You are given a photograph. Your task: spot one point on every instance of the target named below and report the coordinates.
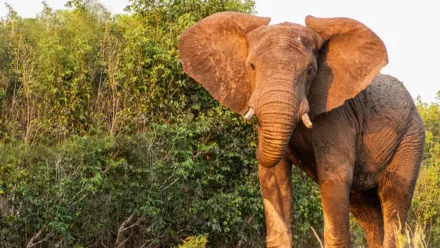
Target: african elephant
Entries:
(366, 144)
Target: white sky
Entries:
(410, 30)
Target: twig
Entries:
(102, 242)
(37, 235)
(169, 185)
(124, 226)
(135, 224)
(317, 237)
(41, 241)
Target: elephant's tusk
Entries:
(306, 120)
(249, 114)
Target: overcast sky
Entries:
(410, 30)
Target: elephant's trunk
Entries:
(278, 113)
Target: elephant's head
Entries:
(280, 72)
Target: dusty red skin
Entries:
(359, 134)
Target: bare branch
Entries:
(125, 226)
(33, 240)
(317, 237)
(135, 224)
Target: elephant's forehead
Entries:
(289, 33)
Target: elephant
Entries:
(321, 104)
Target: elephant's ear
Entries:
(214, 52)
(350, 56)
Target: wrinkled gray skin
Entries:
(366, 144)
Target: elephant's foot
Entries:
(340, 244)
(333, 239)
(281, 240)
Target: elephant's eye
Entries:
(252, 66)
(309, 71)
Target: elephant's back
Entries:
(387, 103)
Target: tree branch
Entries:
(125, 226)
(33, 240)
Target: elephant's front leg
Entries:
(334, 165)
(276, 187)
(335, 155)
(335, 204)
(335, 173)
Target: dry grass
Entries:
(406, 238)
(411, 238)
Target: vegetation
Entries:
(105, 142)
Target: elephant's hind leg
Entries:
(396, 185)
(365, 207)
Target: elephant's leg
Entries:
(335, 177)
(335, 158)
(366, 208)
(276, 187)
(396, 185)
(335, 200)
